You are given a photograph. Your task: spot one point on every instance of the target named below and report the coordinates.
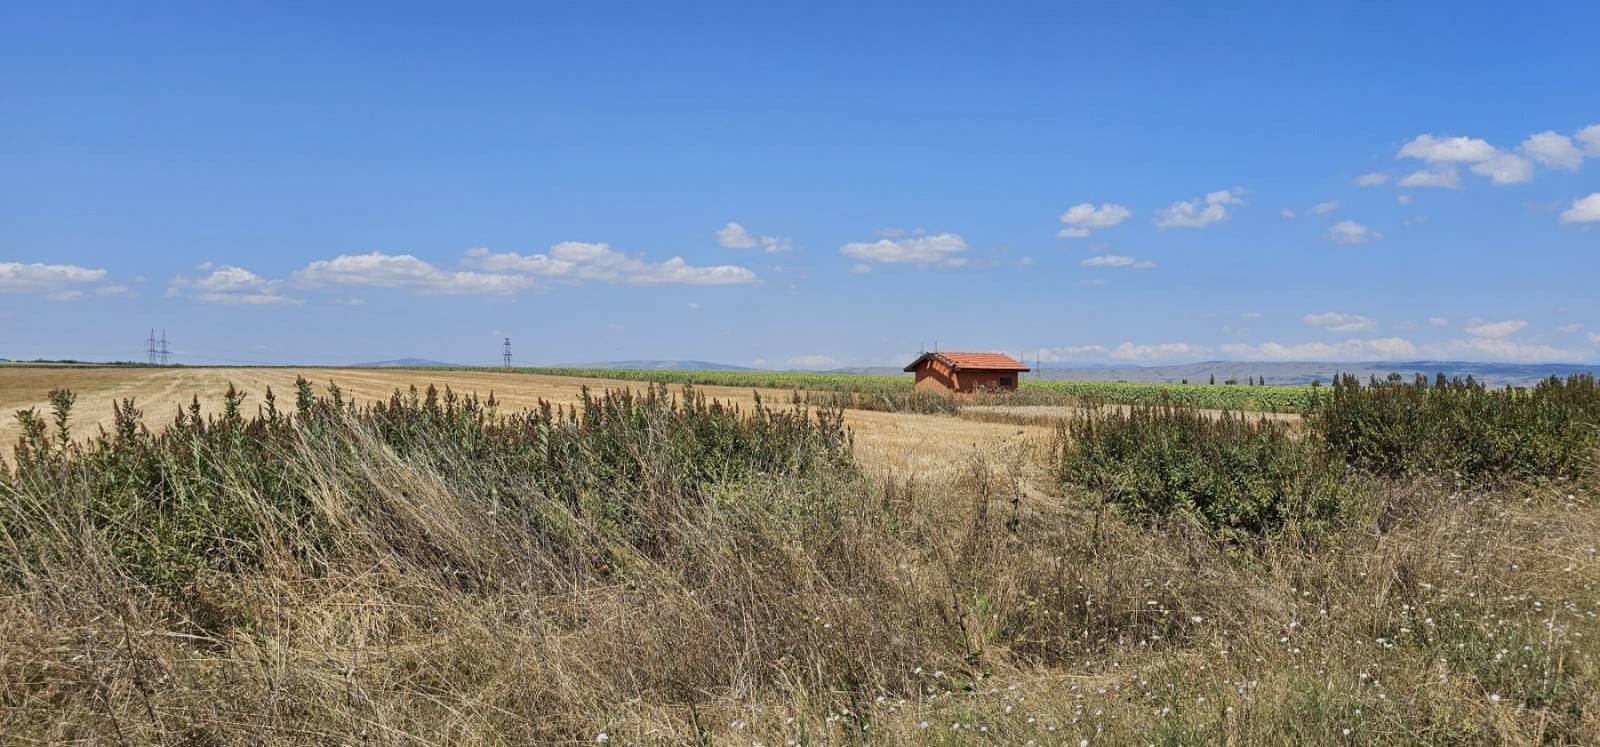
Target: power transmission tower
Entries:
(150, 347)
(505, 354)
(164, 351)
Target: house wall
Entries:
(933, 375)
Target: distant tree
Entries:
(1213, 379)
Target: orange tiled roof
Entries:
(973, 361)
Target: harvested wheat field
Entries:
(890, 442)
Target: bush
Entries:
(1462, 427)
(1235, 475)
(588, 484)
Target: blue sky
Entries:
(803, 186)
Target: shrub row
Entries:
(1241, 476)
(216, 491)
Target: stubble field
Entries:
(889, 443)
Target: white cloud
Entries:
(1082, 218)
(1438, 321)
(1496, 330)
(1447, 149)
(1351, 232)
(579, 261)
(380, 270)
(1569, 328)
(231, 286)
(1404, 199)
(1383, 348)
(1372, 179)
(692, 306)
(1115, 260)
(861, 268)
(1553, 150)
(1583, 210)
(1505, 168)
(1590, 138)
(1492, 348)
(1128, 351)
(1342, 323)
(1286, 213)
(37, 277)
(938, 249)
(734, 236)
(1324, 208)
(1211, 209)
(1073, 353)
(1250, 315)
(1444, 178)
(1594, 337)
(813, 361)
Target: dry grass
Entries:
(958, 598)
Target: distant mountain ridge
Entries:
(1295, 372)
(407, 363)
(661, 365)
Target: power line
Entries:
(150, 347)
(164, 351)
(505, 354)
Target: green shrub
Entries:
(222, 492)
(1233, 474)
(1462, 427)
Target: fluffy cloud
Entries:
(1495, 330)
(1208, 210)
(232, 286)
(1583, 210)
(1438, 321)
(1444, 154)
(1073, 353)
(813, 361)
(405, 271)
(1491, 348)
(1569, 328)
(1383, 348)
(1505, 168)
(1590, 138)
(1324, 208)
(1445, 178)
(1553, 150)
(1342, 323)
(1351, 232)
(1128, 351)
(734, 236)
(1447, 149)
(1115, 260)
(489, 273)
(1085, 217)
(1594, 337)
(1372, 179)
(938, 249)
(580, 261)
(16, 277)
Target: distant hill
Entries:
(1296, 372)
(662, 365)
(406, 363)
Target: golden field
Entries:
(890, 443)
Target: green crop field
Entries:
(1211, 396)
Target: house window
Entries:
(1005, 381)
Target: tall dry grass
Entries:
(406, 580)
